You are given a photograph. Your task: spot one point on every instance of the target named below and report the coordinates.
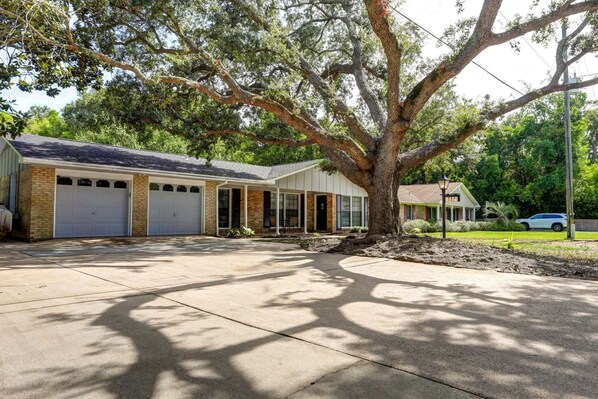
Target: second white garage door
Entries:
(175, 209)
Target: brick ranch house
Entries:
(60, 188)
(423, 201)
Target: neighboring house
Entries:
(424, 201)
(60, 188)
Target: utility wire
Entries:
(589, 74)
(528, 43)
(452, 48)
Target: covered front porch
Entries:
(274, 211)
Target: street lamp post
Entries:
(443, 183)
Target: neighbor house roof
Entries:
(428, 193)
(47, 149)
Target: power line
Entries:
(452, 48)
(589, 74)
(528, 43)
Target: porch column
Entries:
(473, 214)
(463, 216)
(245, 210)
(305, 211)
(277, 210)
(438, 214)
(452, 214)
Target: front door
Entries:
(321, 213)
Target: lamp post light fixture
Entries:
(443, 183)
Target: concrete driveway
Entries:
(213, 318)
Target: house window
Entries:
(194, 189)
(64, 181)
(409, 212)
(366, 211)
(167, 187)
(345, 211)
(432, 214)
(84, 183)
(120, 184)
(350, 211)
(154, 187)
(289, 210)
(356, 211)
(103, 183)
(224, 208)
(181, 189)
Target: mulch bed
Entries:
(455, 253)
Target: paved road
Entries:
(200, 317)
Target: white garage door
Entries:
(91, 207)
(175, 209)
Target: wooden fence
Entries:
(586, 224)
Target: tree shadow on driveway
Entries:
(486, 333)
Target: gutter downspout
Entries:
(217, 187)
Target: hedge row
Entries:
(421, 226)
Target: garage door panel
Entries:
(174, 212)
(90, 211)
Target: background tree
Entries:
(341, 74)
(523, 159)
(593, 135)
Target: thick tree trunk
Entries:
(384, 208)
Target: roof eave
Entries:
(153, 172)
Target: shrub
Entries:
(247, 232)
(495, 226)
(358, 229)
(242, 232)
(464, 225)
(233, 233)
(421, 225)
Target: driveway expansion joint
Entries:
(324, 376)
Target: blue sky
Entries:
(518, 69)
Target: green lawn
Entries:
(536, 242)
(519, 235)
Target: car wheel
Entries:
(525, 226)
(557, 227)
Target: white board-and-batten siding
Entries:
(314, 180)
(9, 161)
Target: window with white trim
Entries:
(289, 210)
(224, 208)
(356, 211)
(350, 211)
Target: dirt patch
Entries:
(457, 253)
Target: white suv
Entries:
(555, 221)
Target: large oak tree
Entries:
(345, 75)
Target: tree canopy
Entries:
(345, 75)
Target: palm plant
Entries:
(502, 211)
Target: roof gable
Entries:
(429, 193)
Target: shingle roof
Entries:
(423, 193)
(61, 150)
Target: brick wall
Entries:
(36, 203)
(310, 212)
(255, 211)
(140, 192)
(331, 211)
(210, 208)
